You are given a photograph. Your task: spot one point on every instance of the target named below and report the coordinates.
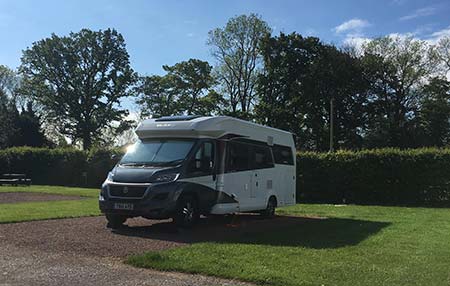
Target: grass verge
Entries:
(28, 211)
(356, 245)
(58, 190)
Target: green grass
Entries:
(27, 211)
(59, 190)
(356, 245)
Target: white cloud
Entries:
(423, 29)
(356, 42)
(436, 36)
(190, 35)
(398, 2)
(352, 26)
(310, 32)
(422, 12)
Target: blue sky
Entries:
(166, 32)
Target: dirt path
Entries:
(18, 197)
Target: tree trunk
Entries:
(87, 141)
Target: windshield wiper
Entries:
(169, 163)
(136, 164)
(152, 164)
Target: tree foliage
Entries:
(396, 69)
(301, 76)
(236, 48)
(434, 114)
(185, 89)
(79, 80)
(19, 125)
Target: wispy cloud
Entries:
(354, 26)
(438, 35)
(356, 42)
(423, 29)
(422, 12)
(353, 32)
(398, 2)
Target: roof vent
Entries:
(177, 118)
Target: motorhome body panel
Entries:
(223, 189)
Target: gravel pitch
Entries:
(30, 267)
(82, 251)
(17, 197)
(89, 235)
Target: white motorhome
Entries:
(185, 166)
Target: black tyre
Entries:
(269, 212)
(187, 212)
(115, 221)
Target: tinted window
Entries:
(157, 152)
(283, 155)
(238, 157)
(262, 157)
(202, 162)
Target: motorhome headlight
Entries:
(163, 178)
(110, 177)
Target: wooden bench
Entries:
(14, 180)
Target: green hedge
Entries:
(382, 177)
(70, 167)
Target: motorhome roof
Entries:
(210, 127)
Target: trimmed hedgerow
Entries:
(61, 166)
(382, 177)
(44, 165)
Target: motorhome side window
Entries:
(283, 155)
(202, 162)
(262, 157)
(238, 157)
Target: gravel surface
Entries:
(17, 197)
(27, 267)
(82, 251)
(90, 236)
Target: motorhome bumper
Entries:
(157, 203)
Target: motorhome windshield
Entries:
(157, 152)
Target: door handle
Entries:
(256, 183)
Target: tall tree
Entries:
(396, 68)
(8, 110)
(236, 48)
(28, 129)
(434, 113)
(19, 125)
(79, 80)
(185, 89)
(191, 79)
(442, 51)
(157, 96)
(301, 77)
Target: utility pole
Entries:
(332, 124)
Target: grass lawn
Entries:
(16, 212)
(60, 190)
(356, 245)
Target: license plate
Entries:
(123, 206)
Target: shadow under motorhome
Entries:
(185, 166)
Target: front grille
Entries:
(127, 191)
